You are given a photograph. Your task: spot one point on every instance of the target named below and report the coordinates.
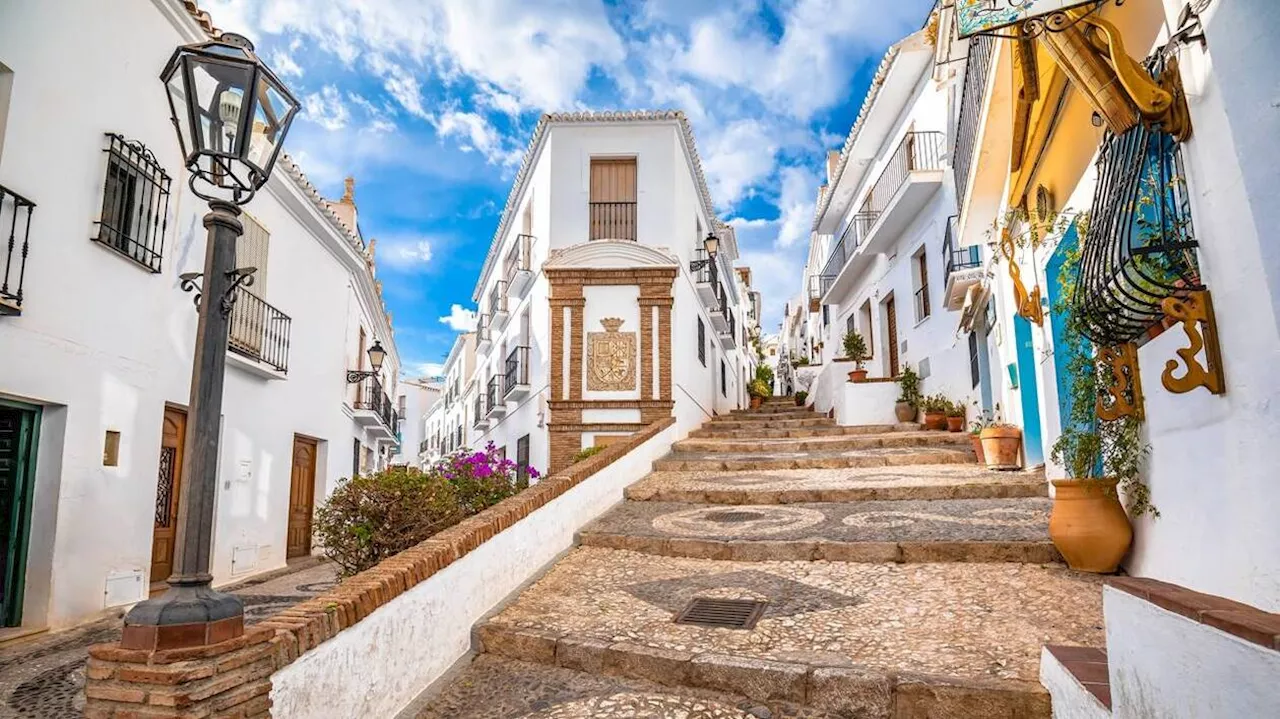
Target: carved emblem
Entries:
(1195, 313)
(1120, 392)
(611, 358)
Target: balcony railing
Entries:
(816, 291)
(858, 227)
(479, 411)
(259, 331)
(517, 371)
(15, 231)
(423, 446)
(517, 266)
(976, 70)
(611, 220)
(370, 396)
(482, 330)
(958, 259)
(498, 301)
(495, 400)
(918, 151)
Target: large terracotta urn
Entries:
(1088, 524)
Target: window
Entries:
(921, 280)
(522, 461)
(868, 327)
(135, 203)
(612, 203)
(250, 322)
(702, 342)
(849, 325)
(723, 380)
(975, 373)
(355, 458)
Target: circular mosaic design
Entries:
(641, 706)
(759, 521)
(995, 517)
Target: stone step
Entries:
(824, 444)
(811, 420)
(822, 430)
(771, 408)
(853, 639)
(789, 486)
(762, 415)
(876, 457)
(949, 530)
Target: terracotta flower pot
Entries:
(935, 420)
(756, 402)
(905, 412)
(1001, 447)
(955, 424)
(1088, 524)
(977, 448)
(858, 375)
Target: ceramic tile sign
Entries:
(975, 16)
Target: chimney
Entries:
(345, 208)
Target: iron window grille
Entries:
(702, 342)
(15, 230)
(135, 203)
(259, 331)
(723, 380)
(522, 462)
(975, 370)
(961, 259)
(1140, 246)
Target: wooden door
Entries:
(891, 310)
(173, 437)
(302, 497)
(19, 431)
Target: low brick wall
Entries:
(234, 679)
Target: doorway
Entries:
(891, 322)
(173, 439)
(1032, 444)
(302, 497)
(19, 437)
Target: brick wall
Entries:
(233, 679)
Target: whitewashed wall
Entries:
(105, 344)
(381, 664)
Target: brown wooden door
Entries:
(173, 437)
(891, 309)
(302, 496)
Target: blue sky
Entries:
(430, 104)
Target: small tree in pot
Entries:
(955, 417)
(935, 411)
(908, 395)
(855, 350)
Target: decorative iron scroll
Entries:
(1028, 303)
(164, 487)
(1120, 391)
(1140, 247)
(1195, 313)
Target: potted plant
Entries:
(935, 411)
(855, 350)
(758, 391)
(908, 395)
(1001, 445)
(801, 396)
(955, 417)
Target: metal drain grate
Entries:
(734, 516)
(723, 613)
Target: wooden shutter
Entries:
(613, 199)
(892, 311)
(251, 251)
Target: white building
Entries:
(447, 423)
(417, 398)
(591, 322)
(882, 238)
(97, 334)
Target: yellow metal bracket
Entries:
(1028, 302)
(1121, 393)
(1195, 313)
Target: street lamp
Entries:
(711, 243)
(376, 356)
(231, 114)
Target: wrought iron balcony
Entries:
(517, 373)
(15, 231)
(496, 402)
(423, 446)
(707, 279)
(730, 333)
(720, 312)
(911, 175)
(845, 248)
(963, 267)
(259, 331)
(611, 220)
(479, 411)
(374, 408)
(976, 71)
(498, 314)
(816, 291)
(483, 333)
(518, 266)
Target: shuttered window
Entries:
(702, 342)
(251, 251)
(612, 205)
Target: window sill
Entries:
(253, 367)
(921, 321)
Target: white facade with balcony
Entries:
(97, 344)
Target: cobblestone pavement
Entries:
(42, 677)
(496, 688)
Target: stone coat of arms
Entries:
(611, 358)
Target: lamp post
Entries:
(376, 356)
(711, 243)
(232, 114)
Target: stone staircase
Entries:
(871, 572)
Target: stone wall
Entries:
(234, 678)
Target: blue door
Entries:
(1062, 350)
(1031, 436)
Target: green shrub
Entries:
(586, 453)
(801, 397)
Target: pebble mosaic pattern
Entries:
(43, 677)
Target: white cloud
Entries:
(474, 132)
(400, 84)
(796, 204)
(736, 158)
(326, 108)
(460, 319)
(425, 369)
(284, 65)
(404, 254)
